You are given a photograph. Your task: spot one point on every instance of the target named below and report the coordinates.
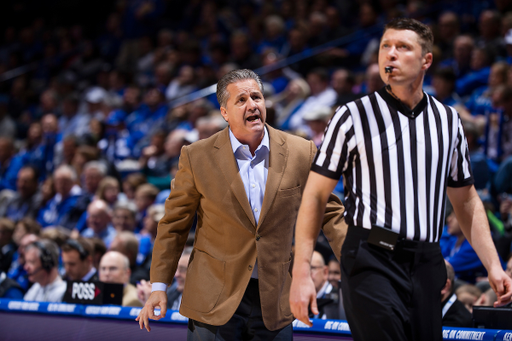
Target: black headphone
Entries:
(47, 262)
(75, 245)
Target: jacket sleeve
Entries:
(333, 226)
(174, 227)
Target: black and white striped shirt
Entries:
(396, 163)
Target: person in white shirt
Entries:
(41, 264)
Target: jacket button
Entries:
(250, 267)
(258, 237)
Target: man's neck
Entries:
(410, 94)
(50, 278)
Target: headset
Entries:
(47, 262)
(75, 245)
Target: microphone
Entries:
(36, 271)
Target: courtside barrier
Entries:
(324, 327)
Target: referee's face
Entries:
(245, 111)
(401, 50)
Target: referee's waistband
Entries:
(403, 243)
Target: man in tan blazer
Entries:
(246, 184)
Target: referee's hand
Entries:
(303, 294)
(156, 299)
(501, 283)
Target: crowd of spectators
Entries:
(92, 121)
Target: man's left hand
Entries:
(502, 286)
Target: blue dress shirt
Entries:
(253, 171)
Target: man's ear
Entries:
(224, 113)
(427, 60)
(447, 287)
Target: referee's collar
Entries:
(401, 107)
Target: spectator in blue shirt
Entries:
(458, 252)
(27, 200)
(57, 210)
(99, 216)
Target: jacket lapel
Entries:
(278, 156)
(229, 167)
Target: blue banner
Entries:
(334, 327)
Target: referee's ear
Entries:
(427, 60)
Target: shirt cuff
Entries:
(158, 286)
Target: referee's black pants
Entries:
(392, 295)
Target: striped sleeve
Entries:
(331, 159)
(460, 167)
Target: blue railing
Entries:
(332, 327)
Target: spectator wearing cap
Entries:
(41, 262)
(95, 97)
(115, 268)
(26, 202)
(78, 261)
(99, 222)
(58, 210)
(317, 120)
(321, 95)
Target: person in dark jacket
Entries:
(455, 313)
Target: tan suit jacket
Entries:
(227, 239)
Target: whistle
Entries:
(388, 69)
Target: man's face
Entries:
(334, 273)
(319, 271)
(63, 183)
(33, 265)
(245, 110)
(401, 50)
(123, 220)
(112, 270)
(181, 272)
(92, 178)
(76, 268)
(97, 219)
(26, 183)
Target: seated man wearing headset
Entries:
(41, 262)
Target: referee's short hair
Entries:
(233, 77)
(423, 31)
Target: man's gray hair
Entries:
(233, 77)
(98, 165)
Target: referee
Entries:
(400, 152)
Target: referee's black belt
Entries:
(401, 243)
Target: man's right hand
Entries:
(156, 299)
(302, 295)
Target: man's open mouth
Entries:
(253, 118)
